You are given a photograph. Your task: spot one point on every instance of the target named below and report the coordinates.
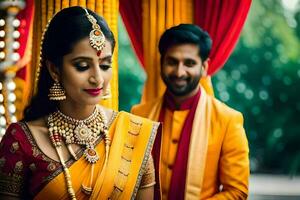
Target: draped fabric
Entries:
(155, 17)
(45, 9)
(222, 19)
(134, 23)
(132, 140)
(31, 174)
(22, 78)
(178, 177)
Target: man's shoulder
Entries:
(143, 109)
(222, 109)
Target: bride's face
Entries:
(86, 75)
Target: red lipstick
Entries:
(93, 92)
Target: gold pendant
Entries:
(91, 155)
(86, 190)
(83, 134)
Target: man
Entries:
(202, 152)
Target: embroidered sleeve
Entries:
(148, 178)
(12, 163)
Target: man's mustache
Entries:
(182, 78)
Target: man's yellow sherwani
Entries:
(218, 162)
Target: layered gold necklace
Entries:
(63, 128)
(82, 132)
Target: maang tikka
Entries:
(97, 38)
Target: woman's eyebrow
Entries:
(82, 58)
(106, 58)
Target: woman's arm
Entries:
(146, 190)
(145, 193)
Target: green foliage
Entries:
(131, 74)
(262, 80)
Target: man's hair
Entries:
(185, 34)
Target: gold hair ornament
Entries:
(97, 38)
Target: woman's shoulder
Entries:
(110, 115)
(108, 112)
(36, 128)
(22, 130)
(16, 143)
(21, 133)
(15, 131)
(37, 123)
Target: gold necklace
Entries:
(83, 132)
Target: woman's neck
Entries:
(76, 111)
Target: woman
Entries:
(68, 147)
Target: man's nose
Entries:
(180, 70)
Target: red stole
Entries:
(178, 179)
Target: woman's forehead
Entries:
(84, 48)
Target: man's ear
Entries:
(53, 71)
(205, 67)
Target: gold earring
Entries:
(107, 93)
(57, 92)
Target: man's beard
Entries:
(191, 85)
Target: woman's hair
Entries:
(185, 34)
(67, 27)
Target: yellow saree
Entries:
(132, 139)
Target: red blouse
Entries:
(20, 157)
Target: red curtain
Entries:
(224, 21)
(26, 19)
(131, 12)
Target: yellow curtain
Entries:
(159, 15)
(45, 9)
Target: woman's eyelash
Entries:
(85, 66)
(105, 67)
(80, 67)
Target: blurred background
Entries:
(262, 80)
